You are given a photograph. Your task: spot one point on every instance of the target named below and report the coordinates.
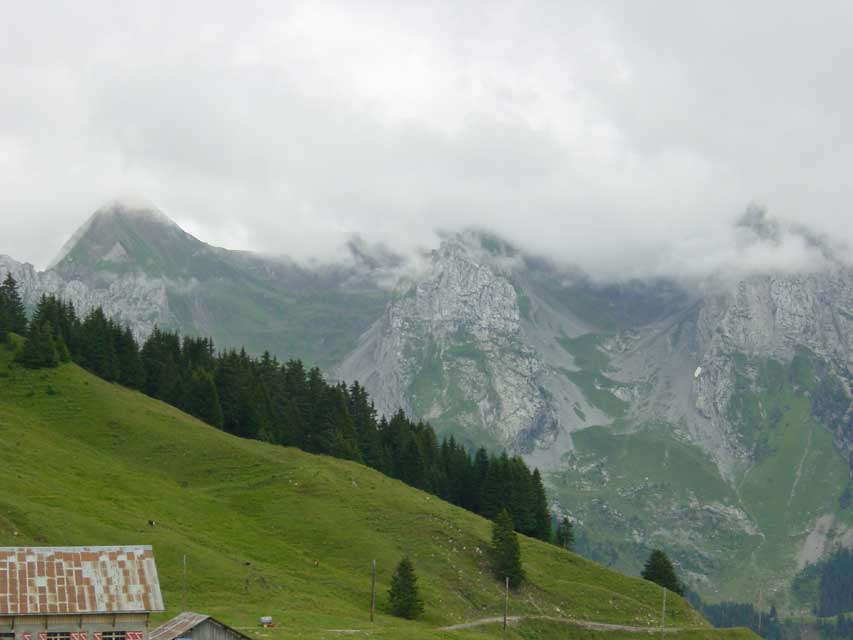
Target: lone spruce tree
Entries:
(565, 537)
(506, 552)
(403, 595)
(659, 570)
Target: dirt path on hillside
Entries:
(584, 624)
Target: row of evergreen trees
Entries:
(841, 628)
(835, 592)
(725, 615)
(283, 403)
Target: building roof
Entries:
(177, 626)
(184, 622)
(76, 580)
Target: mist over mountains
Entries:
(708, 415)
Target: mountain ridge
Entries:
(144, 270)
(746, 378)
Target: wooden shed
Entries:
(77, 593)
(196, 626)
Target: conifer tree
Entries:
(506, 552)
(495, 491)
(131, 371)
(565, 536)
(659, 569)
(39, 351)
(541, 515)
(203, 399)
(404, 596)
(13, 317)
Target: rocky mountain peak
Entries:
(127, 236)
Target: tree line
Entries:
(725, 615)
(291, 405)
(835, 589)
(282, 403)
(841, 628)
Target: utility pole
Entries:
(506, 602)
(373, 592)
(184, 589)
(663, 613)
(759, 610)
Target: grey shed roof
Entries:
(184, 622)
(78, 580)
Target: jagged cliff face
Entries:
(135, 299)
(451, 349)
(714, 422)
(770, 317)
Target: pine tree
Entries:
(506, 552)
(541, 515)
(39, 351)
(404, 597)
(495, 490)
(565, 537)
(13, 317)
(659, 570)
(412, 464)
(131, 371)
(203, 398)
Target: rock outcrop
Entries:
(450, 349)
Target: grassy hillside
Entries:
(272, 531)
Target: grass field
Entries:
(273, 531)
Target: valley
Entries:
(711, 418)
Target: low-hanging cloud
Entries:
(626, 139)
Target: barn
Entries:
(77, 593)
(196, 626)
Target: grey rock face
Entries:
(144, 271)
(453, 343)
(133, 299)
(768, 317)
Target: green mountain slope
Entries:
(126, 253)
(272, 531)
(752, 535)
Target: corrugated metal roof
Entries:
(71, 580)
(184, 622)
(177, 626)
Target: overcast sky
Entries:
(622, 136)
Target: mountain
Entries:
(711, 418)
(264, 530)
(713, 421)
(450, 349)
(145, 270)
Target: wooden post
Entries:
(759, 610)
(373, 592)
(663, 614)
(184, 590)
(506, 602)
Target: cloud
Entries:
(625, 139)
